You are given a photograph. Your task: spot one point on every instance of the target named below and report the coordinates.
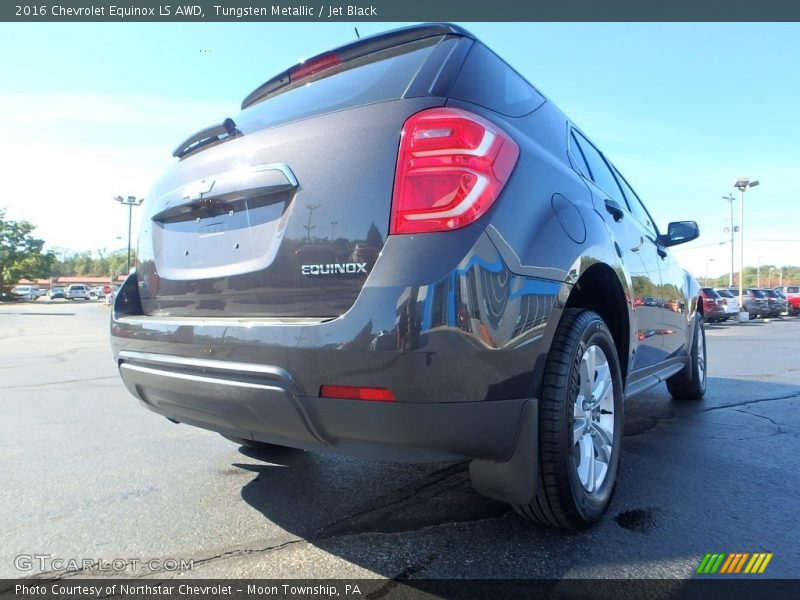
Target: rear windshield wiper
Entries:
(210, 135)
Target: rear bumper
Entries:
(262, 403)
(461, 370)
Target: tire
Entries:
(571, 493)
(690, 382)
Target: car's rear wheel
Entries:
(690, 382)
(580, 425)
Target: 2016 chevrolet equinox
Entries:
(401, 250)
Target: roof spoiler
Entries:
(358, 48)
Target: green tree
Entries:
(21, 254)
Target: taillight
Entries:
(348, 392)
(314, 66)
(451, 167)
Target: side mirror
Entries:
(680, 232)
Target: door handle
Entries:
(615, 210)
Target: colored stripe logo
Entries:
(734, 563)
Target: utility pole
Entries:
(309, 227)
(708, 262)
(758, 273)
(730, 198)
(742, 184)
(131, 201)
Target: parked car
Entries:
(729, 302)
(792, 295)
(96, 292)
(58, 292)
(713, 308)
(755, 302)
(777, 303)
(26, 293)
(504, 251)
(77, 290)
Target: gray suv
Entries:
(400, 249)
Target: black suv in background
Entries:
(400, 249)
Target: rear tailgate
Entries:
(287, 216)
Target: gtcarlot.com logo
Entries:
(48, 562)
(741, 563)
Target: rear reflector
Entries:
(357, 393)
(313, 66)
(452, 165)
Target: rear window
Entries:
(793, 289)
(771, 293)
(724, 293)
(710, 292)
(758, 293)
(376, 77)
(489, 82)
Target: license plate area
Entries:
(220, 238)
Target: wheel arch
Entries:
(600, 289)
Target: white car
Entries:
(78, 290)
(730, 302)
(26, 292)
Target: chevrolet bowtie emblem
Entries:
(196, 189)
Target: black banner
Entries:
(411, 589)
(398, 10)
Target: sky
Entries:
(92, 111)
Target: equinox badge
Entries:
(334, 268)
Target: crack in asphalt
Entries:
(778, 425)
(757, 401)
(416, 567)
(248, 551)
(48, 383)
(338, 529)
(59, 575)
(405, 493)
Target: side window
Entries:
(489, 82)
(637, 208)
(600, 171)
(577, 157)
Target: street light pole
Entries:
(742, 184)
(708, 262)
(131, 201)
(730, 198)
(758, 273)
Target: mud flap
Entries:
(513, 480)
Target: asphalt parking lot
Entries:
(88, 474)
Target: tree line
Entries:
(91, 264)
(22, 256)
(765, 276)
